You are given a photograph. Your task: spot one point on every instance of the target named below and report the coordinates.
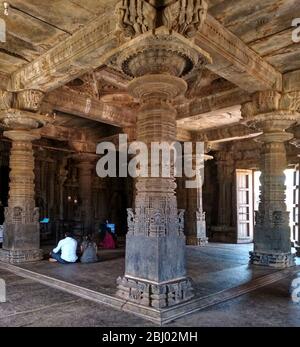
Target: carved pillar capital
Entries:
(271, 111)
(29, 100)
(138, 17)
(20, 110)
(6, 100)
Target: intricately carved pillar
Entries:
(155, 272)
(153, 275)
(195, 223)
(21, 227)
(272, 113)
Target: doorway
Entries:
(244, 198)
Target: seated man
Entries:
(65, 252)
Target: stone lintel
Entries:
(234, 60)
(68, 101)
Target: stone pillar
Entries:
(21, 227)
(195, 224)
(269, 112)
(157, 60)
(153, 275)
(61, 179)
(225, 230)
(86, 166)
(296, 142)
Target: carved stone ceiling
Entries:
(35, 26)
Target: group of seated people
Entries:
(66, 252)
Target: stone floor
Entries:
(213, 268)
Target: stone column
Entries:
(296, 142)
(270, 112)
(195, 224)
(225, 230)
(153, 274)
(155, 268)
(61, 179)
(86, 166)
(21, 227)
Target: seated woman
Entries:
(108, 241)
(65, 252)
(89, 251)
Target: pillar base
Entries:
(18, 256)
(158, 295)
(196, 241)
(277, 260)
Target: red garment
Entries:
(108, 241)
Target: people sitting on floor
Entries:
(88, 250)
(65, 252)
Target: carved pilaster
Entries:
(272, 113)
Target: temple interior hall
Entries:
(79, 76)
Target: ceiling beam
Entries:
(229, 133)
(214, 102)
(68, 101)
(72, 102)
(234, 60)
